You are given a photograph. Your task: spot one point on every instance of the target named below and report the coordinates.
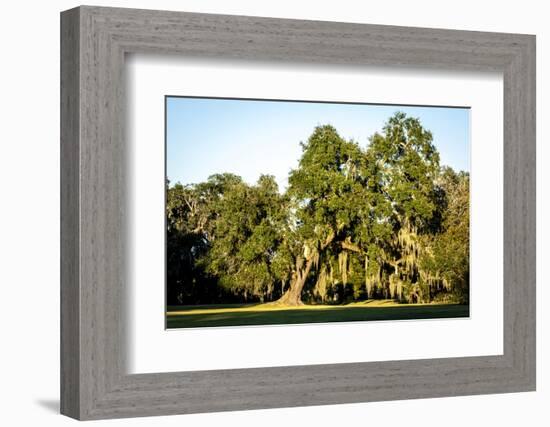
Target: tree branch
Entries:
(329, 239)
(351, 247)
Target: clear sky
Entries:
(250, 138)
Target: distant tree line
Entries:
(384, 222)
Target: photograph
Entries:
(290, 213)
(286, 212)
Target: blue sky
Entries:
(250, 138)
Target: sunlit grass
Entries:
(271, 314)
(239, 308)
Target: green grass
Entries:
(268, 314)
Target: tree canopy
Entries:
(384, 221)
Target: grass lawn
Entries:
(269, 314)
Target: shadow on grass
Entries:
(333, 314)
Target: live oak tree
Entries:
(321, 190)
(190, 214)
(406, 166)
(385, 221)
(445, 262)
(248, 232)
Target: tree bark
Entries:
(293, 295)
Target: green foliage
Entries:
(247, 229)
(382, 222)
(446, 259)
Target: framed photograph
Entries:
(261, 213)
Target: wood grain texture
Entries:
(95, 383)
(70, 314)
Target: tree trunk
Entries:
(293, 295)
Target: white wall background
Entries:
(29, 214)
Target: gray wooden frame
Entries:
(94, 41)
